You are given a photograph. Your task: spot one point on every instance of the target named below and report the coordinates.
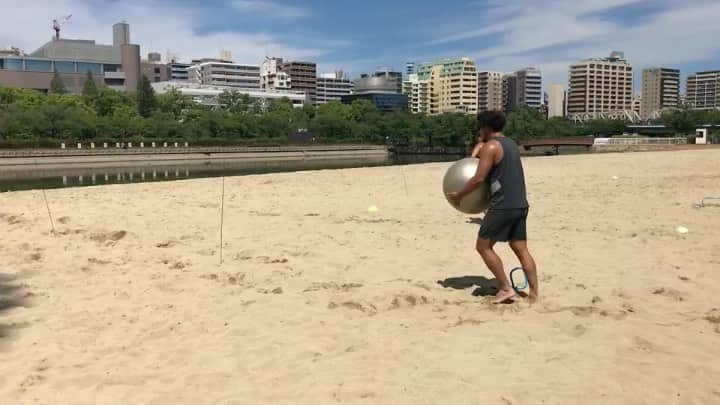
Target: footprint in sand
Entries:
(368, 309)
(713, 316)
(98, 261)
(670, 293)
(166, 244)
(644, 345)
(345, 287)
(108, 236)
(11, 219)
(408, 301)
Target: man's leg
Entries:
(528, 264)
(494, 263)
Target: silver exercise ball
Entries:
(455, 179)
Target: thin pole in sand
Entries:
(52, 223)
(222, 218)
(404, 180)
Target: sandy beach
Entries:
(319, 301)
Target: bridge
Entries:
(629, 116)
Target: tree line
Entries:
(100, 114)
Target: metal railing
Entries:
(640, 141)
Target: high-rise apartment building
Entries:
(660, 90)
(332, 87)
(600, 85)
(303, 77)
(703, 90)
(418, 94)
(556, 100)
(121, 34)
(490, 91)
(522, 88)
(452, 85)
(224, 73)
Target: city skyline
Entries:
(501, 36)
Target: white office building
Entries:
(224, 73)
(208, 94)
(272, 76)
(418, 94)
(332, 86)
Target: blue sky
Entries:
(358, 36)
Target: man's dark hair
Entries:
(495, 120)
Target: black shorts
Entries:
(504, 225)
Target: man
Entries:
(506, 217)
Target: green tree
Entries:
(145, 98)
(235, 102)
(108, 100)
(175, 103)
(56, 84)
(525, 123)
(89, 90)
(683, 121)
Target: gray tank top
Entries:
(507, 179)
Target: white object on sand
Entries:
(615, 177)
(372, 209)
(681, 230)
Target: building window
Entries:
(84, 67)
(11, 64)
(65, 67)
(32, 65)
(157, 71)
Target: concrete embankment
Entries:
(55, 159)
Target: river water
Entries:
(34, 178)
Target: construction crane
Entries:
(58, 23)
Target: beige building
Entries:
(302, 77)
(154, 69)
(452, 86)
(556, 100)
(116, 66)
(660, 90)
(637, 102)
(600, 85)
(703, 90)
(490, 91)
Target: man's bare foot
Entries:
(504, 295)
(533, 297)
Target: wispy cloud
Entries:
(554, 33)
(175, 32)
(271, 9)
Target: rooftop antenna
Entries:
(58, 23)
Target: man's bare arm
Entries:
(487, 158)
